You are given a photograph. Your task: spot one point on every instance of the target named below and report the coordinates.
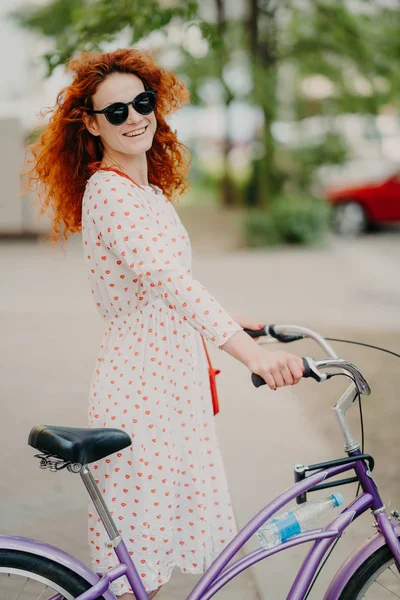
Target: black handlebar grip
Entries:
(255, 333)
(257, 380)
(310, 372)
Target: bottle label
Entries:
(288, 526)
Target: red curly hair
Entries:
(66, 154)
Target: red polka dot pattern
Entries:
(168, 492)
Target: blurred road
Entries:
(50, 337)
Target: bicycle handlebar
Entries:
(290, 333)
(309, 371)
(275, 332)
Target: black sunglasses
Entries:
(117, 113)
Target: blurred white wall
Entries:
(22, 95)
(19, 213)
(11, 156)
(23, 91)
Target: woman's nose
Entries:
(133, 116)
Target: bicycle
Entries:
(55, 572)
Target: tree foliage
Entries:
(87, 24)
(354, 46)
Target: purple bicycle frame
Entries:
(217, 575)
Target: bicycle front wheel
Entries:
(25, 576)
(376, 579)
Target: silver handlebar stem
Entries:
(347, 398)
(350, 394)
(345, 401)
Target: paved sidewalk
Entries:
(50, 337)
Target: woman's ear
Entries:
(90, 123)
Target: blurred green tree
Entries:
(353, 46)
(358, 51)
(223, 35)
(87, 25)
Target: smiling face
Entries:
(135, 136)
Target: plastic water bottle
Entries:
(277, 530)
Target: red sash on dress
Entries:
(213, 386)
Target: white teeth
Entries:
(134, 133)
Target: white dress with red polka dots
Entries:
(167, 492)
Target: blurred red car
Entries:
(357, 208)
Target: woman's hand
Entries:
(276, 368)
(247, 322)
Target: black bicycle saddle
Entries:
(78, 445)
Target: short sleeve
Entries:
(134, 235)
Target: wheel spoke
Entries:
(387, 589)
(26, 583)
(24, 576)
(395, 572)
(31, 588)
(381, 583)
(41, 595)
(384, 586)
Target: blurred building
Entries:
(22, 94)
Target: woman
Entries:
(109, 164)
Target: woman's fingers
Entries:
(247, 322)
(269, 380)
(284, 369)
(296, 368)
(287, 376)
(278, 378)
